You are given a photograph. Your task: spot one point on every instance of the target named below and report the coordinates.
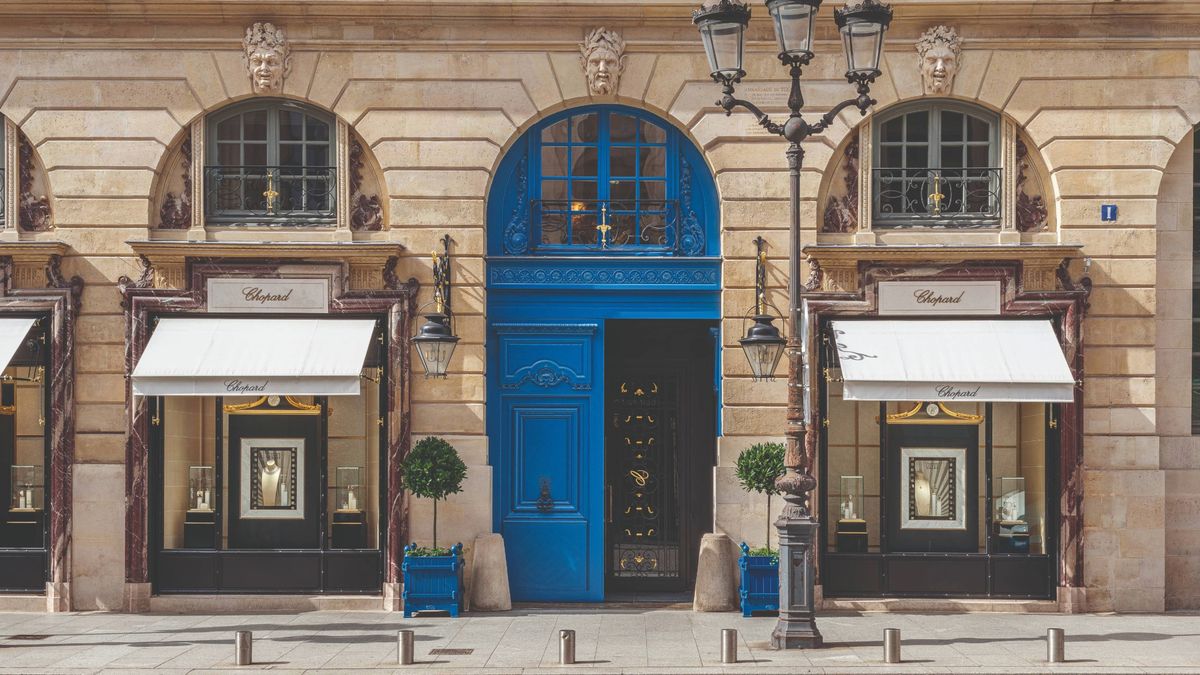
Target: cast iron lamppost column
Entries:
(862, 26)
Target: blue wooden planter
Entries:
(760, 582)
(432, 583)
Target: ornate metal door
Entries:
(645, 542)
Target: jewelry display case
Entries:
(851, 525)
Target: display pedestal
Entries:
(24, 528)
(852, 536)
(200, 529)
(1012, 536)
(349, 529)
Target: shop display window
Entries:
(28, 487)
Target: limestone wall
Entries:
(437, 100)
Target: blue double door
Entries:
(555, 405)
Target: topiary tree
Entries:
(433, 469)
(757, 468)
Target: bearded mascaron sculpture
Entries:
(939, 49)
(268, 57)
(603, 61)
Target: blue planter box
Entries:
(432, 583)
(760, 582)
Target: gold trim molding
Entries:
(260, 407)
(951, 416)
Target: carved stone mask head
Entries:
(939, 49)
(603, 61)
(268, 57)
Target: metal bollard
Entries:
(891, 645)
(729, 642)
(1056, 645)
(404, 645)
(566, 647)
(243, 642)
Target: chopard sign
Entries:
(265, 296)
(898, 298)
(236, 386)
(953, 393)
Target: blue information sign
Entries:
(1108, 213)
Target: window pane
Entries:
(584, 190)
(554, 161)
(622, 161)
(622, 193)
(622, 128)
(654, 190)
(652, 133)
(583, 162)
(317, 193)
(952, 127)
(977, 156)
(892, 130)
(555, 133)
(318, 130)
(229, 154)
(254, 154)
(584, 128)
(624, 229)
(291, 125)
(978, 130)
(918, 127)
(891, 156)
(317, 155)
(917, 156)
(291, 154)
(654, 161)
(952, 156)
(554, 189)
(230, 129)
(254, 125)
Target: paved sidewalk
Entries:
(610, 640)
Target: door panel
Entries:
(546, 415)
(285, 532)
(933, 488)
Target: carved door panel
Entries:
(545, 413)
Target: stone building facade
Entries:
(112, 121)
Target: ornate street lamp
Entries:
(436, 339)
(862, 26)
(763, 345)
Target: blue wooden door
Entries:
(547, 419)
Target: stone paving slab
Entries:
(609, 640)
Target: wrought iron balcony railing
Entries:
(937, 197)
(630, 225)
(252, 195)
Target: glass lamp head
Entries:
(435, 344)
(763, 346)
(863, 26)
(723, 29)
(794, 23)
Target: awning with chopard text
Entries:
(999, 361)
(253, 357)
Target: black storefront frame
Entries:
(886, 574)
(27, 568)
(184, 571)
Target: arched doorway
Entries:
(603, 334)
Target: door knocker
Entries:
(545, 503)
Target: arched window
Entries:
(604, 179)
(937, 165)
(271, 162)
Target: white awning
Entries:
(1015, 361)
(253, 357)
(12, 332)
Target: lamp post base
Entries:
(797, 627)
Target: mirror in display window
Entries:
(934, 489)
(349, 516)
(1012, 526)
(851, 525)
(199, 521)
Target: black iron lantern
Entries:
(723, 28)
(794, 23)
(763, 343)
(436, 339)
(863, 26)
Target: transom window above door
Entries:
(271, 163)
(937, 166)
(605, 180)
